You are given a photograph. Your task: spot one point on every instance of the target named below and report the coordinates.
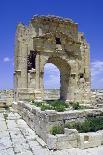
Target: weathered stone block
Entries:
(52, 142)
(88, 140)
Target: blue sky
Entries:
(88, 13)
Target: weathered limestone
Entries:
(97, 98)
(3, 103)
(88, 140)
(72, 139)
(43, 121)
(50, 39)
(21, 140)
(6, 98)
(67, 140)
(51, 94)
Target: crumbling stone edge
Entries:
(43, 121)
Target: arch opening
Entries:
(62, 77)
(51, 82)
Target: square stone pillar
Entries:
(38, 91)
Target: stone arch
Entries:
(65, 71)
(58, 42)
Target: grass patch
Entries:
(46, 107)
(59, 129)
(91, 124)
(57, 105)
(75, 105)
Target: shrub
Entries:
(75, 105)
(59, 108)
(59, 129)
(96, 123)
(52, 105)
(72, 125)
(46, 107)
(59, 105)
(85, 126)
(38, 104)
(91, 124)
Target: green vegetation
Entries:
(75, 105)
(45, 107)
(91, 124)
(59, 129)
(52, 105)
(57, 105)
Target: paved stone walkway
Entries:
(16, 138)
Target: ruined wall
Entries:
(43, 121)
(6, 97)
(51, 94)
(50, 39)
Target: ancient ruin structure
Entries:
(50, 39)
(6, 97)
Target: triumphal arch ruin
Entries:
(50, 39)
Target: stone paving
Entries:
(16, 138)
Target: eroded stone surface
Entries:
(43, 121)
(6, 97)
(47, 40)
(16, 138)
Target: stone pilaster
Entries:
(24, 76)
(38, 93)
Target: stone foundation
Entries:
(72, 139)
(43, 121)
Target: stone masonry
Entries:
(43, 122)
(16, 138)
(6, 97)
(50, 39)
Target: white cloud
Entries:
(6, 59)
